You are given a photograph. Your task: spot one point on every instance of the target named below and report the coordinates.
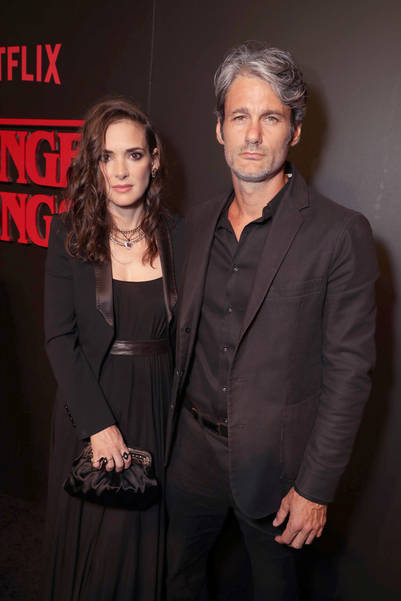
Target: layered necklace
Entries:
(131, 237)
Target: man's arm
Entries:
(348, 355)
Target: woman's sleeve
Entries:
(80, 390)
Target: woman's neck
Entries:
(126, 218)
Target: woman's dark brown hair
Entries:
(88, 219)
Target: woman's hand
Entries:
(109, 449)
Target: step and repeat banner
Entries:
(34, 152)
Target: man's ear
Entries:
(219, 132)
(296, 135)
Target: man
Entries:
(274, 341)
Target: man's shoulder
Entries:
(325, 219)
(333, 214)
(320, 202)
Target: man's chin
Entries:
(252, 177)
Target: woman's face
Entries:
(126, 163)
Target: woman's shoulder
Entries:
(60, 224)
(172, 219)
(59, 228)
(175, 224)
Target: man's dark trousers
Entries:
(199, 498)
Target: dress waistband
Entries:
(139, 347)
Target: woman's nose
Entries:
(120, 169)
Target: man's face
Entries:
(256, 133)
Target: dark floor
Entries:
(21, 533)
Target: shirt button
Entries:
(235, 268)
(187, 330)
(226, 348)
(226, 420)
(224, 389)
(230, 309)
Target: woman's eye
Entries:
(105, 157)
(136, 155)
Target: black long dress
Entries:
(107, 554)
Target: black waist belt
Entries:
(219, 427)
(139, 347)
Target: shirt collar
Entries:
(269, 210)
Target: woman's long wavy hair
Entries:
(89, 221)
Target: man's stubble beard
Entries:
(267, 172)
(254, 177)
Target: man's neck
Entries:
(250, 198)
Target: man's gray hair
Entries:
(275, 66)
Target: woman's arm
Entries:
(77, 382)
(79, 387)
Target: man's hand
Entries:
(306, 520)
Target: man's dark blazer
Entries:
(79, 324)
(301, 369)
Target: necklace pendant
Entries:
(128, 244)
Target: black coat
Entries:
(301, 369)
(79, 324)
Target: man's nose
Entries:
(254, 133)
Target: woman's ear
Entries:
(155, 159)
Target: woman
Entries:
(109, 287)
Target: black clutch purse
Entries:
(132, 488)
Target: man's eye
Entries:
(271, 119)
(239, 118)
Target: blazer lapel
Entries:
(163, 241)
(285, 226)
(191, 293)
(104, 291)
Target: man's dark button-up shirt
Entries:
(228, 286)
